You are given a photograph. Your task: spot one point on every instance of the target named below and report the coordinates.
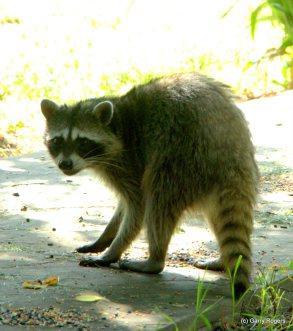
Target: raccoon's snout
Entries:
(66, 165)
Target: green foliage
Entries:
(262, 308)
(121, 81)
(13, 128)
(201, 310)
(281, 13)
(10, 20)
(169, 319)
(232, 278)
(278, 12)
(270, 302)
(4, 91)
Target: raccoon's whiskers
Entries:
(101, 155)
(96, 161)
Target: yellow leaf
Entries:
(51, 281)
(88, 297)
(37, 284)
(33, 284)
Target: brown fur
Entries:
(172, 144)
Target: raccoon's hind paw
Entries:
(91, 248)
(86, 249)
(96, 261)
(210, 264)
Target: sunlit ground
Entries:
(70, 50)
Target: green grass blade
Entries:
(254, 18)
(206, 322)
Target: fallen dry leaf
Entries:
(88, 297)
(33, 284)
(38, 284)
(51, 281)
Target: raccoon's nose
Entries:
(66, 165)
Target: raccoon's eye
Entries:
(87, 148)
(84, 142)
(57, 141)
(55, 145)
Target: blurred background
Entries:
(70, 50)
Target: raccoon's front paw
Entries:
(101, 261)
(145, 266)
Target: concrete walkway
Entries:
(44, 216)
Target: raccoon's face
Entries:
(78, 137)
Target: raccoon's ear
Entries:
(48, 108)
(104, 111)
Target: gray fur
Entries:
(176, 143)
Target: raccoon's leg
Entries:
(164, 204)
(107, 236)
(128, 230)
(161, 224)
(231, 217)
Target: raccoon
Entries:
(176, 143)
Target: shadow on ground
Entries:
(44, 216)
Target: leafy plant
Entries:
(232, 277)
(13, 128)
(10, 20)
(200, 310)
(270, 313)
(262, 308)
(278, 12)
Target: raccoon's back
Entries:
(185, 108)
(190, 121)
